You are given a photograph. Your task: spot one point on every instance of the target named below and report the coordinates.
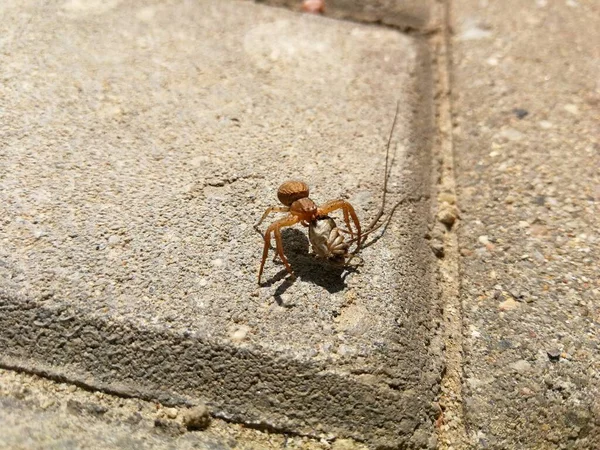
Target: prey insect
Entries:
(327, 240)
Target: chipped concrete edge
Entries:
(451, 425)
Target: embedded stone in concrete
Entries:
(140, 143)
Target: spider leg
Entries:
(347, 222)
(348, 210)
(268, 211)
(275, 228)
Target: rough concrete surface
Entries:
(36, 413)
(526, 107)
(139, 142)
(404, 14)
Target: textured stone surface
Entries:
(528, 157)
(36, 413)
(140, 142)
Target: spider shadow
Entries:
(307, 267)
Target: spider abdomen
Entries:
(290, 191)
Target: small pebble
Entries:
(447, 214)
(46, 404)
(520, 113)
(515, 294)
(240, 333)
(313, 6)
(511, 134)
(171, 413)
(521, 366)
(573, 109)
(508, 305)
(437, 247)
(554, 354)
(504, 344)
(474, 33)
(196, 418)
(483, 240)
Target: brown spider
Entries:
(324, 235)
(301, 209)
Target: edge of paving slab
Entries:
(37, 412)
(405, 15)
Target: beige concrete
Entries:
(140, 143)
(527, 148)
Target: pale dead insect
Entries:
(326, 238)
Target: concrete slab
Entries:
(527, 146)
(139, 144)
(37, 413)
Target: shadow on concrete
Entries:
(307, 267)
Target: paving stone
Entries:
(139, 144)
(529, 181)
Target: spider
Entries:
(294, 196)
(325, 237)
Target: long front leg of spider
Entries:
(276, 228)
(347, 210)
(270, 210)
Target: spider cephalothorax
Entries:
(301, 209)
